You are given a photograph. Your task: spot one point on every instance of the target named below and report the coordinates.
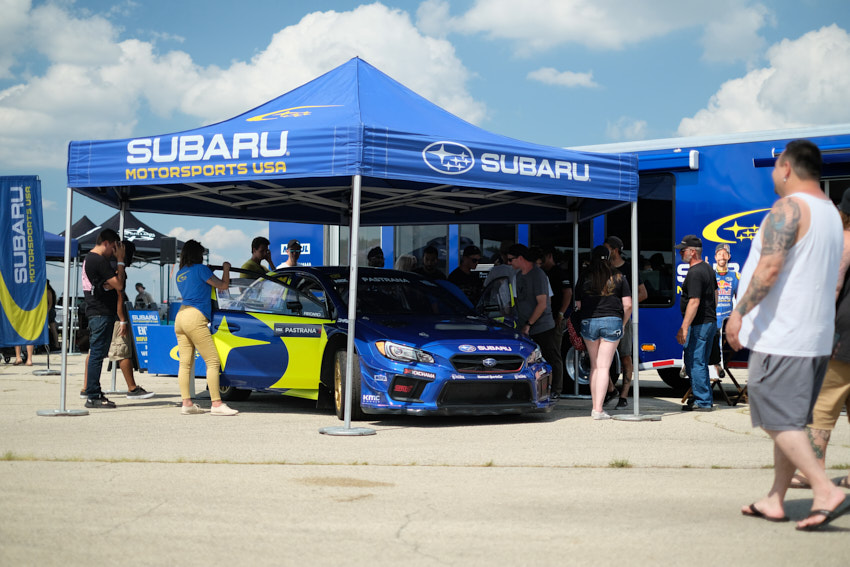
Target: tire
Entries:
(671, 378)
(231, 394)
(340, 360)
(584, 371)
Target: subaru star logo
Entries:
(489, 362)
(448, 157)
(466, 348)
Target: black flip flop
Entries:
(756, 513)
(828, 516)
(843, 483)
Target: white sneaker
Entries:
(599, 414)
(223, 409)
(194, 409)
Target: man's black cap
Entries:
(690, 241)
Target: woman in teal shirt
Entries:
(195, 282)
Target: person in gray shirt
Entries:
(534, 311)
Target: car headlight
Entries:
(403, 353)
(535, 357)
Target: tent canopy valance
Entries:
(293, 158)
(148, 240)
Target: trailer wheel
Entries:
(671, 378)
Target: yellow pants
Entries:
(192, 331)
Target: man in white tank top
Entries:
(785, 316)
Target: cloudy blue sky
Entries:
(559, 72)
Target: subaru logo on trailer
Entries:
(489, 362)
(448, 157)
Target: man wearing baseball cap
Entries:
(698, 304)
(293, 251)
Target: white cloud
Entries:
(795, 89)
(96, 86)
(626, 129)
(734, 33)
(538, 25)
(66, 39)
(225, 244)
(550, 76)
(381, 36)
(12, 32)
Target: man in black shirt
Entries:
(699, 320)
(429, 269)
(101, 285)
(465, 278)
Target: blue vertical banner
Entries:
(23, 272)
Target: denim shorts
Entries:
(606, 328)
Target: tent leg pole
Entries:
(575, 395)
(636, 416)
(352, 315)
(66, 283)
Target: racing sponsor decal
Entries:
(403, 388)
(380, 377)
(191, 155)
(384, 280)
(294, 112)
(138, 234)
(730, 231)
(494, 348)
(297, 330)
(466, 348)
(371, 399)
(458, 377)
(450, 158)
(420, 373)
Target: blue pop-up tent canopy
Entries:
(350, 147)
(54, 246)
(293, 158)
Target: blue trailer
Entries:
(718, 188)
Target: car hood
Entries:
(416, 329)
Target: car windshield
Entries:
(399, 295)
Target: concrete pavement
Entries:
(142, 484)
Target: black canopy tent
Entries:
(148, 240)
(351, 147)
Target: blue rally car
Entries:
(420, 348)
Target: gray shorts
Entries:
(625, 346)
(783, 390)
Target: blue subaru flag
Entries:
(23, 274)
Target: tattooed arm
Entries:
(779, 235)
(781, 229)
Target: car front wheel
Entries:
(231, 394)
(340, 360)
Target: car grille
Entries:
(485, 393)
(474, 363)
